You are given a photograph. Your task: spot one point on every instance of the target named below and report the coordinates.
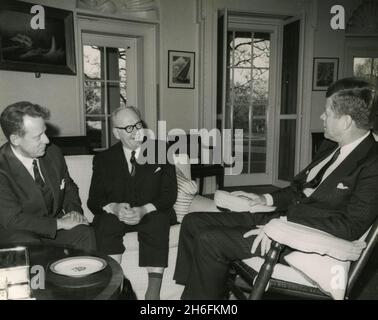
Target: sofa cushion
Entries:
(203, 204)
(80, 170)
(186, 190)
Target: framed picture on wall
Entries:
(181, 66)
(325, 72)
(25, 47)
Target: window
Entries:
(109, 81)
(247, 93)
(366, 68)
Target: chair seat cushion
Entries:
(321, 257)
(308, 239)
(328, 274)
(280, 272)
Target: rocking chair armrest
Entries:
(306, 239)
(262, 280)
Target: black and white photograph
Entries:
(22, 48)
(165, 152)
(181, 66)
(325, 73)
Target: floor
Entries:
(367, 286)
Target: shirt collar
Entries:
(27, 162)
(128, 152)
(345, 150)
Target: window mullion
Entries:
(106, 112)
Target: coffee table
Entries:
(102, 285)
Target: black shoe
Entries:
(127, 292)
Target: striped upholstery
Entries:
(186, 190)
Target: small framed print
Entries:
(325, 73)
(181, 66)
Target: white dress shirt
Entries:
(27, 163)
(344, 152)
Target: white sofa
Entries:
(80, 169)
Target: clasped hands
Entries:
(71, 220)
(127, 214)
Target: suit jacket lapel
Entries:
(347, 166)
(52, 179)
(302, 176)
(119, 165)
(23, 178)
(120, 158)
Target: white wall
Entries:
(178, 31)
(59, 93)
(328, 43)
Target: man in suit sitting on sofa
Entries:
(126, 196)
(39, 202)
(337, 193)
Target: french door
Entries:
(259, 95)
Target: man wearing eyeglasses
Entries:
(127, 196)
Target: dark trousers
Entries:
(81, 237)
(153, 237)
(208, 242)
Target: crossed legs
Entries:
(207, 244)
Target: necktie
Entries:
(132, 162)
(45, 190)
(37, 175)
(313, 183)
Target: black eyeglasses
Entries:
(130, 128)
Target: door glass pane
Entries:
(242, 50)
(247, 95)
(286, 159)
(114, 96)
(366, 68)
(123, 95)
(362, 66)
(261, 50)
(105, 89)
(116, 64)
(258, 148)
(92, 58)
(241, 110)
(94, 97)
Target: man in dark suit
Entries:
(337, 193)
(39, 202)
(127, 196)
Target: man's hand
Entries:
(120, 208)
(254, 199)
(261, 238)
(71, 220)
(133, 216)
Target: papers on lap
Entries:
(226, 200)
